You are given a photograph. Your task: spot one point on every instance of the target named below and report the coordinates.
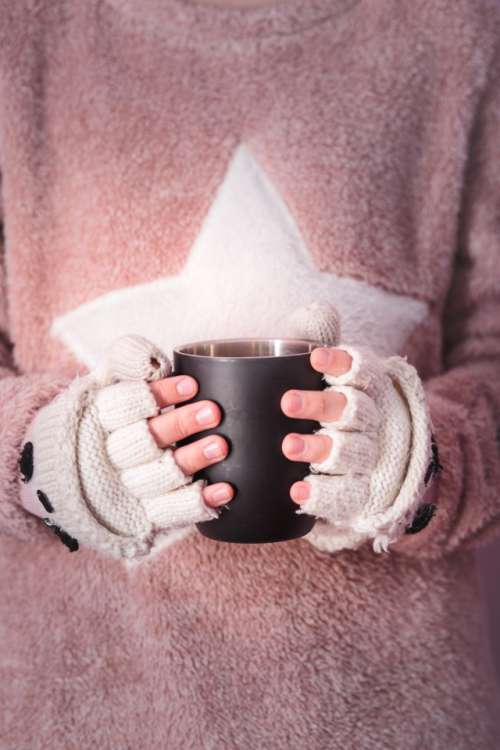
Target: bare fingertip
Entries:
(320, 358)
(220, 495)
(186, 386)
(300, 492)
(343, 361)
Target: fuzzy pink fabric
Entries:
(379, 125)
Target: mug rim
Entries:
(244, 339)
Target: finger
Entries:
(205, 452)
(324, 406)
(123, 403)
(300, 492)
(306, 448)
(173, 390)
(131, 446)
(350, 408)
(331, 360)
(218, 494)
(181, 507)
(351, 452)
(367, 371)
(334, 498)
(179, 423)
(156, 477)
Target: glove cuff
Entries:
(390, 525)
(56, 429)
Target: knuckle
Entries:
(324, 405)
(156, 432)
(341, 406)
(324, 446)
(341, 399)
(186, 459)
(334, 404)
(347, 360)
(155, 388)
(181, 423)
(159, 388)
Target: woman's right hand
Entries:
(176, 424)
(99, 463)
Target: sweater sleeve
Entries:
(464, 400)
(20, 397)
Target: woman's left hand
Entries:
(371, 460)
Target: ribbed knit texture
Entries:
(124, 403)
(101, 488)
(132, 445)
(181, 508)
(111, 487)
(369, 459)
(128, 359)
(350, 451)
(360, 411)
(149, 480)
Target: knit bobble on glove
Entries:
(132, 358)
(371, 484)
(318, 321)
(104, 482)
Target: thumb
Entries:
(318, 321)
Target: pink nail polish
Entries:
(295, 402)
(185, 387)
(301, 491)
(204, 416)
(212, 450)
(221, 495)
(296, 444)
(322, 358)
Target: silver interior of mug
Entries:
(248, 347)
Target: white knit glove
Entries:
(371, 485)
(91, 460)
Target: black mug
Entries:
(247, 378)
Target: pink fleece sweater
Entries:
(364, 137)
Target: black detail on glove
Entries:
(45, 501)
(434, 467)
(26, 462)
(421, 518)
(26, 466)
(70, 542)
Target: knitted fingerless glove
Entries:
(371, 485)
(90, 460)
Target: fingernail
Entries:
(322, 357)
(296, 445)
(205, 415)
(295, 402)
(221, 495)
(185, 387)
(212, 450)
(301, 491)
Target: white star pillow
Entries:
(248, 270)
